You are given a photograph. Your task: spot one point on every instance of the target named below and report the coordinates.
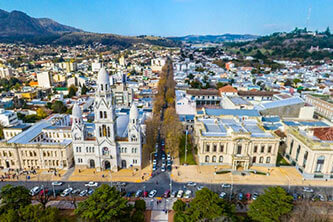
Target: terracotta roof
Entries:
(204, 92)
(255, 93)
(227, 88)
(324, 133)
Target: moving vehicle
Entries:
(191, 184)
(57, 183)
(91, 184)
(226, 185)
(152, 193)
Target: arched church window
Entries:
(104, 130)
(105, 115)
(106, 87)
(101, 114)
(100, 131)
(109, 134)
(102, 87)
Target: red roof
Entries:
(325, 133)
(227, 88)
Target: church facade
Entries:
(112, 141)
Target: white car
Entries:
(222, 195)
(34, 191)
(200, 187)
(66, 192)
(226, 185)
(91, 184)
(152, 193)
(187, 194)
(56, 183)
(180, 193)
(191, 184)
(308, 190)
(83, 193)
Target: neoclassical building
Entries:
(237, 142)
(310, 150)
(45, 145)
(112, 141)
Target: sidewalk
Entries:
(278, 176)
(123, 175)
(41, 175)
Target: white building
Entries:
(44, 79)
(96, 66)
(8, 118)
(111, 142)
(5, 72)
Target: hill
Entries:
(18, 27)
(299, 44)
(215, 38)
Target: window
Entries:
(105, 115)
(100, 114)
(207, 159)
(214, 148)
(305, 158)
(214, 159)
(86, 149)
(262, 149)
(221, 148)
(221, 159)
(135, 161)
(291, 147)
(255, 149)
(261, 160)
(254, 159)
(207, 148)
(239, 149)
(268, 159)
(320, 163)
(101, 86)
(297, 152)
(269, 149)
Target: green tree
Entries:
(271, 205)
(84, 90)
(139, 209)
(14, 197)
(36, 213)
(72, 91)
(41, 113)
(58, 107)
(105, 204)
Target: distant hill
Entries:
(215, 38)
(18, 27)
(298, 44)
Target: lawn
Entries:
(190, 160)
(281, 161)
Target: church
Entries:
(113, 141)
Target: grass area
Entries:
(281, 161)
(190, 160)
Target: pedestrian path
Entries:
(68, 174)
(158, 215)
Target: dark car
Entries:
(240, 196)
(166, 194)
(129, 194)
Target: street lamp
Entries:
(232, 186)
(186, 145)
(170, 182)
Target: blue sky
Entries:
(180, 17)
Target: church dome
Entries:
(103, 77)
(134, 113)
(76, 111)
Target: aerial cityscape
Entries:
(118, 112)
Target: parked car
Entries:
(154, 167)
(138, 193)
(163, 156)
(34, 191)
(200, 187)
(128, 194)
(43, 191)
(145, 194)
(240, 196)
(226, 185)
(173, 194)
(248, 196)
(91, 184)
(155, 154)
(83, 193)
(57, 183)
(318, 197)
(66, 192)
(152, 193)
(163, 168)
(307, 190)
(255, 196)
(191, 184)
(154, 162)
(187, 194)
(166, 194)
(180, 193)
(168, 157)
(76, 191)
(223, 195)
(330, 198)
(91, 191)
